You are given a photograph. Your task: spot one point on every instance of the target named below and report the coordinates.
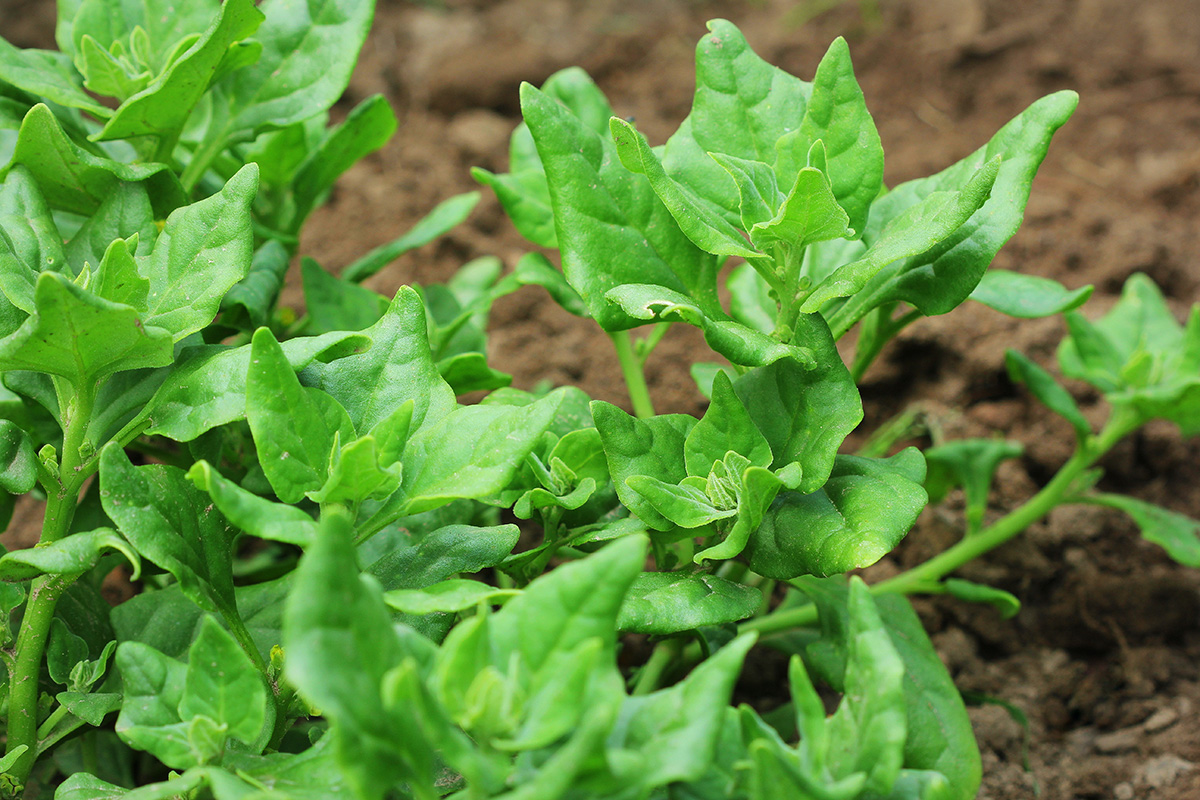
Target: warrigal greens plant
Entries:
(333, 598)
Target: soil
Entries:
(1103, 658)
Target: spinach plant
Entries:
(302, 501)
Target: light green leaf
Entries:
(663, 603)
(18, 464)
(48, 74)
(125, 211)
(726, 426)
(1176, 533)
(336, 304)
(971, 464)
(861, 513)
(77, 180)
(448, 596)
(809, 214)
(222, 684)
(295, 427)
(255, 515)
(1048, 390)
(1027, 296)
(203, 250)
(117, 278)
(1005, 602)
(72, 555)
(681, 504)
(81, 337)
(357, 471)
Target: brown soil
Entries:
(1103, 657)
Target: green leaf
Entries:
(335, 304)
(72, 555)
(172, 524)
(125, 211)
(105, 74)
(48, 74)
(29, 240)
(366, 128)
(358, 471)
(605, 214)
(110, 21)
(1027, 296)
(944, 276)
(398, 367)
(650, 447)
(442, 218)
(1005, 602)
(309, 48)
(860, 514)
(81, 337)
(837, 115)
(804, 413)
(79, 181)
(809, 214)
(163, 107)
(672, 734)
(149, 719)
(295, 427)
(441, 553)
(91, 708)
(741, 107)
(255, 515)
(971, 464)
(18, 464)
(63, 651)
(473, 452)
(663, 603)
(117, 278)
(207, 385)
(256, 293)
(681, 504)
(726, 426)
(536, 269)
(756, 489)
(448, 596)
(1048, 390)
(203, 250)
(911, 233)
(222, 684)
(1176, 533)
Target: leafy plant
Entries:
(303, 500)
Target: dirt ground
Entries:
(1103, 658)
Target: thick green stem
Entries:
(635, 380)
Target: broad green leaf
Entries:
(85, 786)
(162, 108)
(125, 211)
(663, 603)
(941, 278)
(803, 412)
(741, 107)
(48, 74)
(336, 304)
(473, 452)
(203, 250)
(72, 555)
(469, 372)
(256, 293)
(162, 26)
(939, 732)
(673, 734)
(726, 426)
(309, 48)
(222, 684)
(207, 385)
(911, 233)
(340, 645)
(750, 302)
(441, 553)
(1027, 296)
(77, 180)
(149, 720)
(294, 426)
(858, 516)
(756, 490)
(758, 189)
(536, 269)
(117, 278)
(81, 337)
(18, 464)
(681, 504)
(650, 447)
(1048, 390)
(837, 115)
(446, 596)
(809, 214)
(443, 217)
(29, 236)
(172, 524)
(398, 367)
(358, 471)
(255, 515)
(366, 129)
(1176, 533)
(971, 464)
(91, 708)
(605, 214)
(1004, 602)
(698, 220)
(524, 192)
(104, 73)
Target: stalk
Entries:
(652, 672)
(635, 379)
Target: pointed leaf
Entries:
(1027, 296)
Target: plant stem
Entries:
(652, 672)
(635, 379)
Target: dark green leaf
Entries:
(662, 603)
(256, 293)
(255, 515)
(222, 684)
(335, 304)
(46, 73)
(18, 464)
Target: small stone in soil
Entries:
(1162, 771)
(1117, 741)
(1123, 791)
(1161, 720)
